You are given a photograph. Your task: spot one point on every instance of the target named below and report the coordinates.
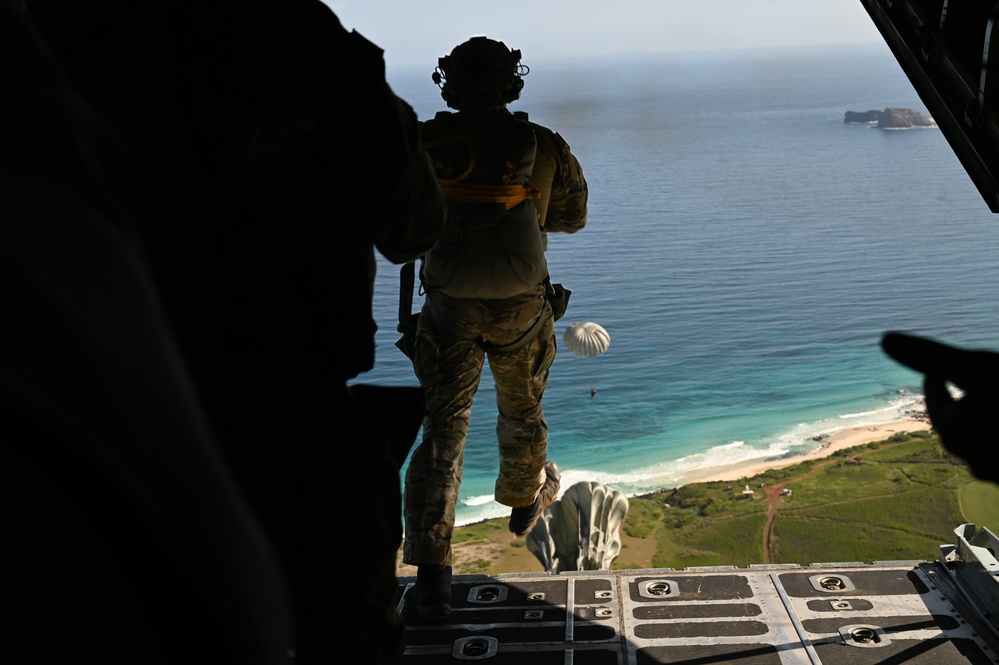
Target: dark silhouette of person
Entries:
(269, 160)
(126, 539)
(508, 182)
(966, 424)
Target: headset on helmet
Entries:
(477, 68)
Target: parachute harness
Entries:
(453, 188)
(509, 195)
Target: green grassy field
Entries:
(897, 499)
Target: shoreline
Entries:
(509, 559)
(840, 440)
(849, 437)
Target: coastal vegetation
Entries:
(897, 499)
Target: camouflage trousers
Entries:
(455, 338)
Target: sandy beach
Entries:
(519, 559)
(847, 438)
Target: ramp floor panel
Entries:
(896, 612)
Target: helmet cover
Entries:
(482, 69)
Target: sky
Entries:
(417, 32)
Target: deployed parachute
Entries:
(586, 339)
(580, 531)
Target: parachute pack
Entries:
(493, 246)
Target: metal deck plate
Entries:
(894, 612)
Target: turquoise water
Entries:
(745, 250)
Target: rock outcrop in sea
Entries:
(890, 118)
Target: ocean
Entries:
(745, 250)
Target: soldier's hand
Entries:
(967, 425)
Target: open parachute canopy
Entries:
(580, 531)
(586, 339)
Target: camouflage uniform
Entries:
(456, 335)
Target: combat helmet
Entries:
(480, 68)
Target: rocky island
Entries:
(890, 118)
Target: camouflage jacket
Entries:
(559, 177)
(507, 182)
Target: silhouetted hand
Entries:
(968, 425)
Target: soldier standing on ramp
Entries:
(507, 182)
